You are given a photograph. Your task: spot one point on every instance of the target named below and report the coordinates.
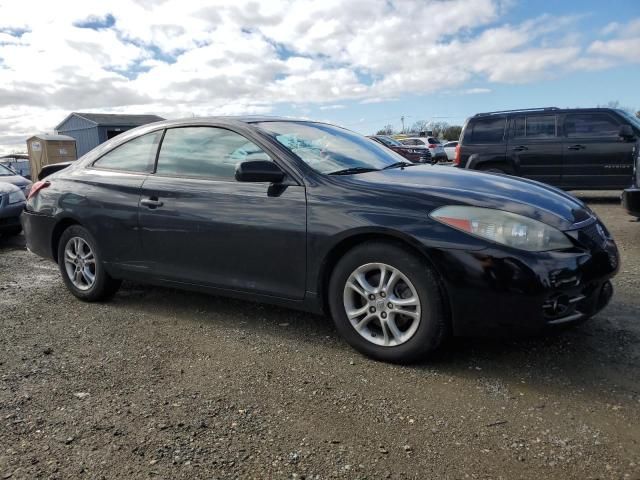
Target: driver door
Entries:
(201, 226)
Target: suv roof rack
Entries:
(543, 109)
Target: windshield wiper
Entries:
(352, 170)
(399, 164)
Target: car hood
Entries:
(6, 187)
(453, 186)
(16, 180)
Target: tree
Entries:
(386, 130)
(437, 128)
(419, 126)
(452, 132)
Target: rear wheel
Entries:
(386, 303)
(81, 266)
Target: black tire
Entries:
(433, 325)
(104, 286)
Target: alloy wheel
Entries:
(382, 304)
(80, 263)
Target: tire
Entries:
(92, 283)
(411, 341)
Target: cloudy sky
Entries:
(359, 63)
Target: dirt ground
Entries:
(167, 384)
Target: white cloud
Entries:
(178, 58)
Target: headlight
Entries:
(503, 227)
(16, 197)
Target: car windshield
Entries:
(635, 121)
(329, 149)
(392, 142)
(6, 171)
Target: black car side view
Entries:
(585, 148)
(312, 216)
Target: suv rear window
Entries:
(487, 130)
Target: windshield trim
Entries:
(10, 173)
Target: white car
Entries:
(450, 150)
(432, 143)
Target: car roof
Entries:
(228, 120)
(543, 110)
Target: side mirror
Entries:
(626, 132)
(259, 171)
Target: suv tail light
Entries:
(36, 187)
(432, 145)
(456, 160)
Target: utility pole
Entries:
(402, 120)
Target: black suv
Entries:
(580, 148)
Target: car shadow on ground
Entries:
(11, 242)
(598, 352)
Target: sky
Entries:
(362, 64)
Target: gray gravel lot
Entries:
(171, 384)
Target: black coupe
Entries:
(313, 216)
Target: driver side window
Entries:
(207, 152)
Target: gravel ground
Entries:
(171, 384)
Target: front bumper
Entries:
(496, 292)
(631, 201)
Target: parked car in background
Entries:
(450, 150)
(7, 175)
(430, 143)
(631, 195)
(415, 155)
(12, 202)
(19, 163)
(581, 148)
(313, 216)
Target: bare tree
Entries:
(437, 128)
(419, 126)
(452, 132)
(386, 130)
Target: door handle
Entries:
(576, 147)
(151, 202)
(521, 148)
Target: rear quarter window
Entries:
(486, 130)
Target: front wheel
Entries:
(81, 266)
(386, 303)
